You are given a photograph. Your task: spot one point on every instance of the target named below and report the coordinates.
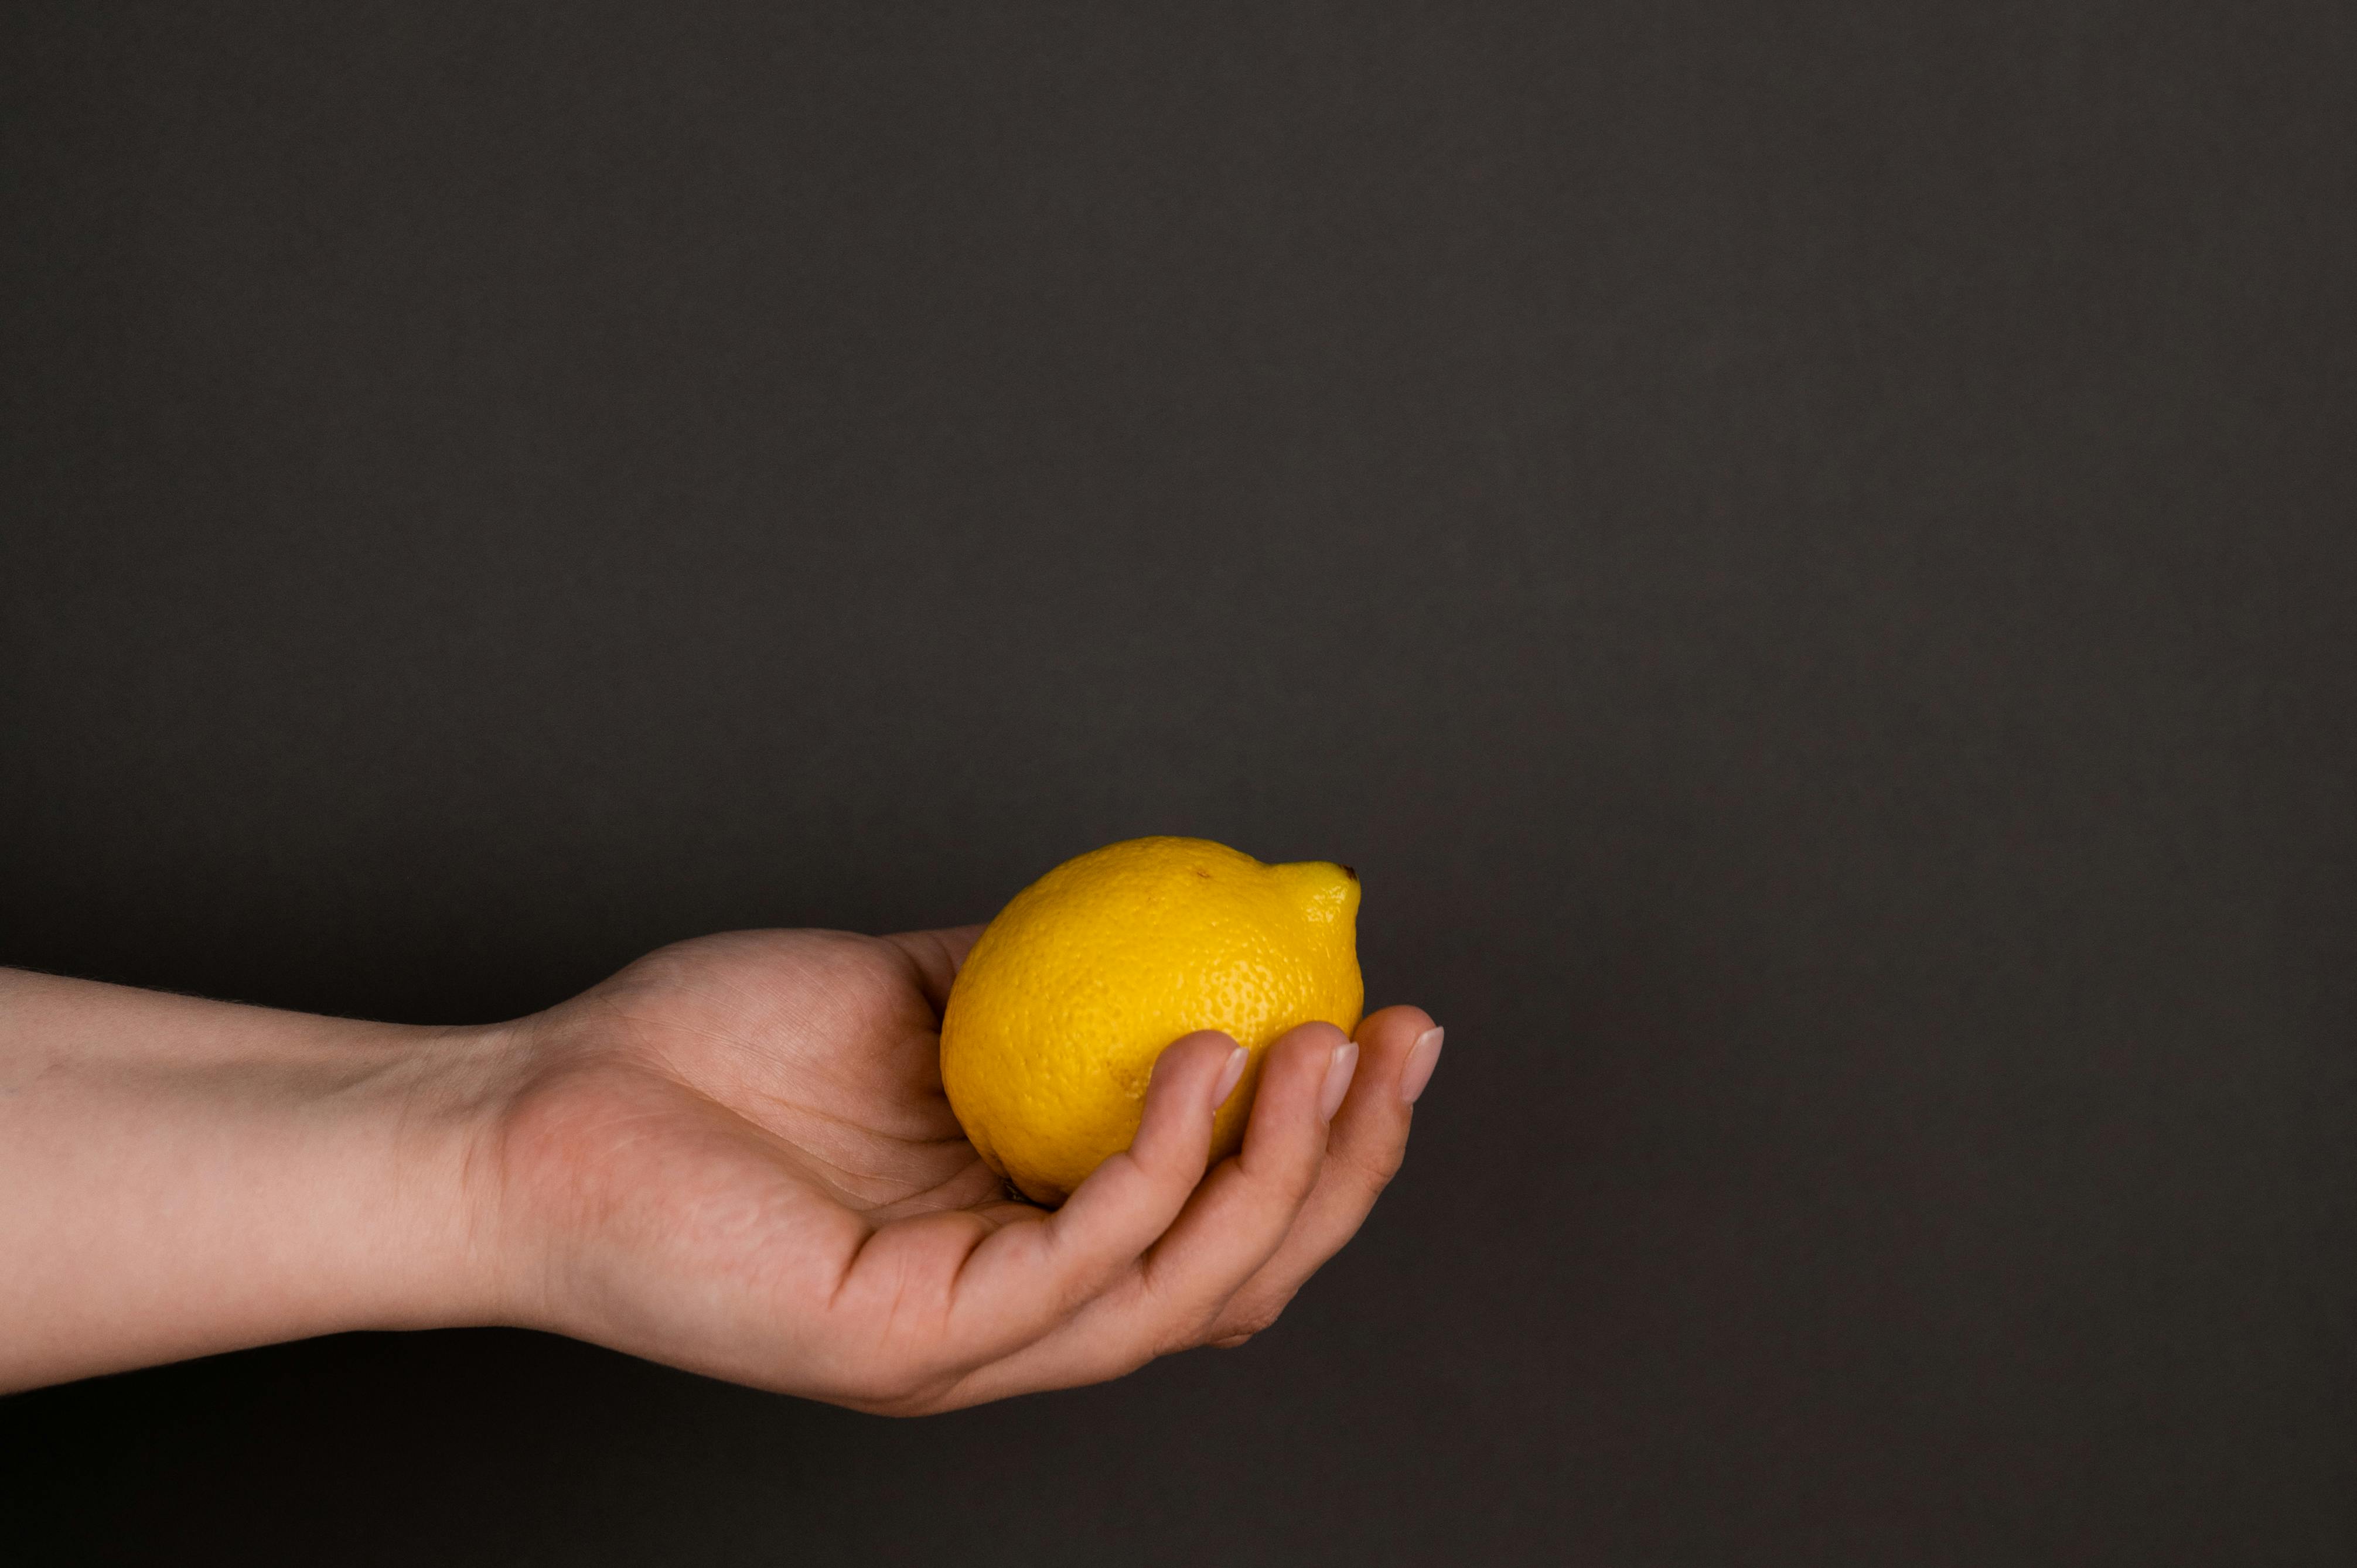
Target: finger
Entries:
(938, 956)
(1236, 1223)
(1231, 1227)
(1398, 1048)
(1030, 1275)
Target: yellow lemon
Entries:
(1054, 1023)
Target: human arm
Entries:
(180, 1177)
(734, 1157)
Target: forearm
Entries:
(180, 1177)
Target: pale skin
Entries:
(734, 1157)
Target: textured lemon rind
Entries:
(1059, 1013)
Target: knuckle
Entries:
(1191, 1326)
(896, 1388)
(899, 1409)
(1120, 1358)
(1242, 1322)
(1180, 1334)
(906, 1396)
(1378, 1168)
(1201, 1331)
(1176, 1324)
(1291, 1181)
(882, 1389)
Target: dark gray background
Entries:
(1805, 551)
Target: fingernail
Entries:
(1422, 1057)
(1337, 1079)
(1228, 1074)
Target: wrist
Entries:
(411, 1158)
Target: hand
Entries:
(736, 1156)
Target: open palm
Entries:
(736, 1156)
